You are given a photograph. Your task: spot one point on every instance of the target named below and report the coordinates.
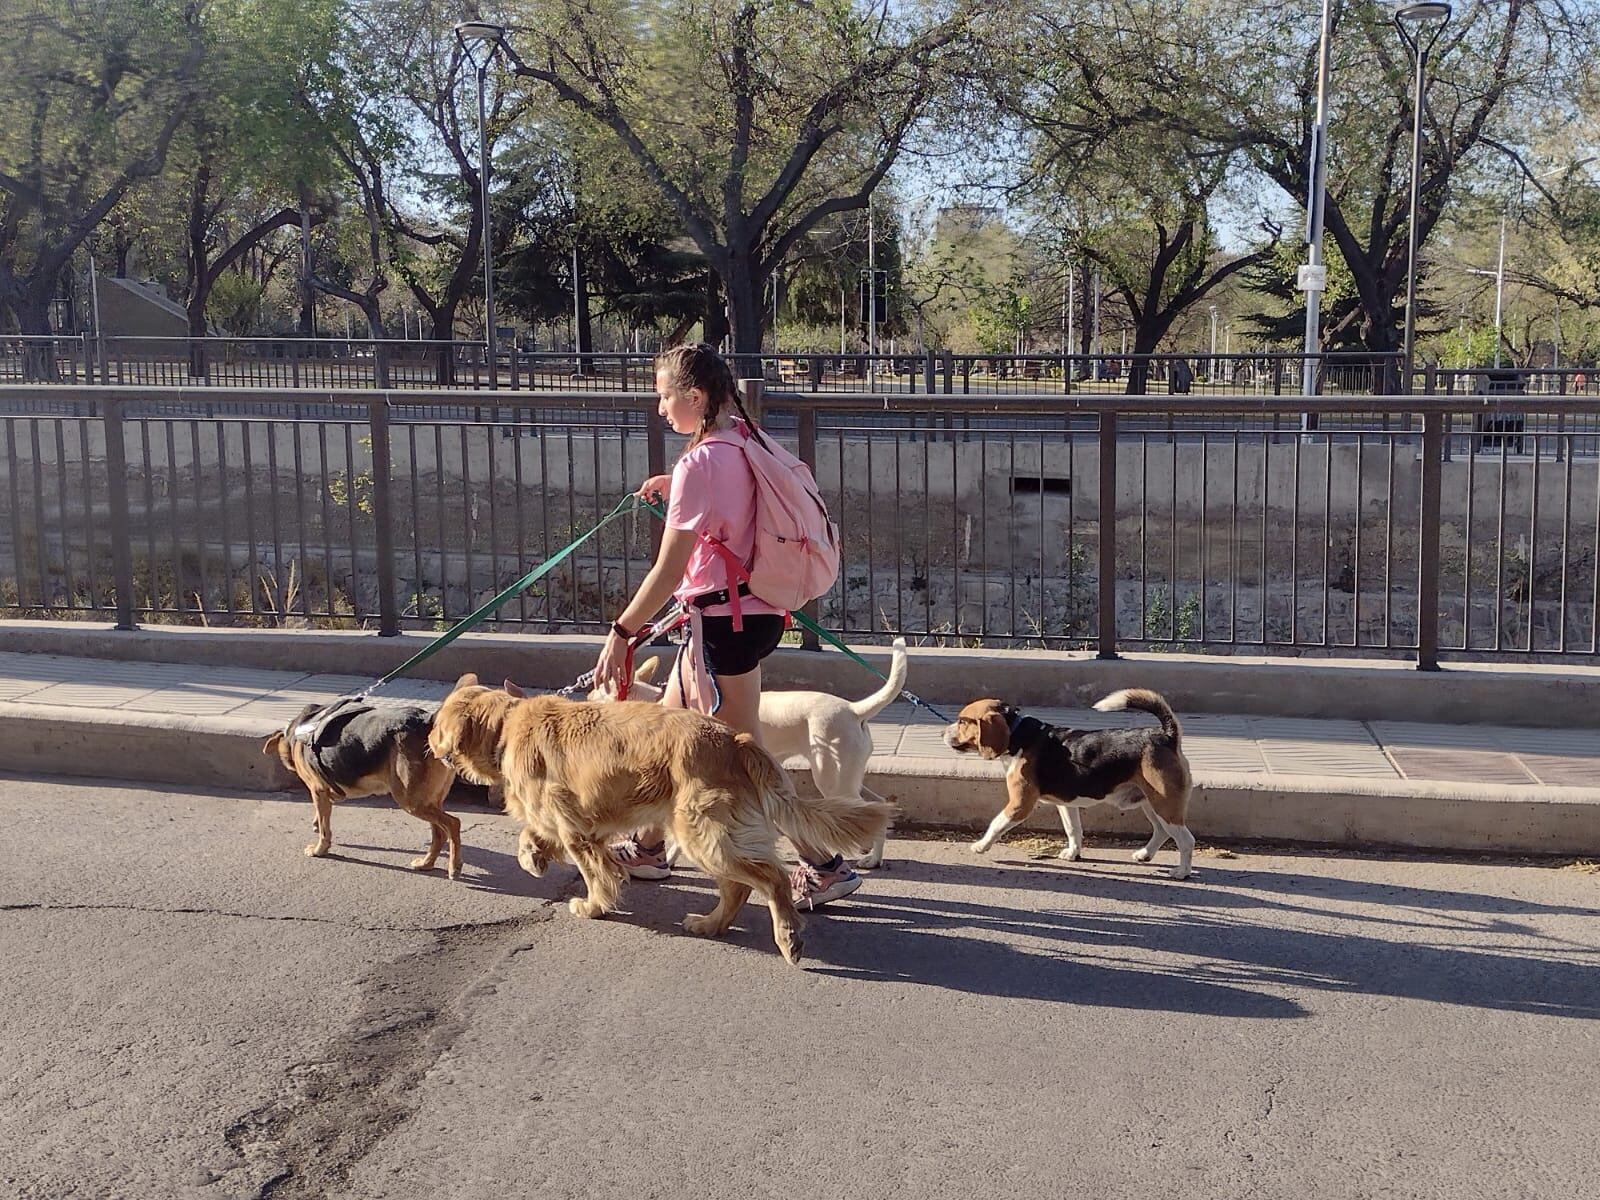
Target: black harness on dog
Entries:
(351, 738)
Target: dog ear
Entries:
(646, 671)
(271, 747)
(513, 690)
(994, 733)
(468, 680)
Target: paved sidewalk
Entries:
(1217, 744)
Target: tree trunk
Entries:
(714, 328)
(580, 285)
(443, 317)
(32, 310)
(746, 311)
(1147, 337)
(308, 292)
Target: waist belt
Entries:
(706, 599)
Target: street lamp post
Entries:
(1314, 280)
(1211, 366)
(1419, 24)
(480, 42)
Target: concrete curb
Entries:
(219, 752)
(225, 753)
(1423, 815)
(1348, 689)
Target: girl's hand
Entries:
(611, 668)
(657, 487)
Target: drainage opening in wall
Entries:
(1032, 485)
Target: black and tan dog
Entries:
(1074, 768)
(362, 749)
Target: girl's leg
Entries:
(820, 877)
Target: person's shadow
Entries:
(1219, 946)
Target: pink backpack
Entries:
(796, 554)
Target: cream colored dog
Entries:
(829, 733)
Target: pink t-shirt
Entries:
(713, 492)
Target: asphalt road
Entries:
(192, 1008)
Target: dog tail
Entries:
(839, 825)
(874, 704)
(1145, 701)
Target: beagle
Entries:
(1074, 768)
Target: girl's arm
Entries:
(653, 593)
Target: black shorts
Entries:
(729, 653)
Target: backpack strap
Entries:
(736, 572)
(738, 576)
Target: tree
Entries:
(249, 155)
(791, 111)
(1493, 64)
(1117, 172)
(91, 97)
(630, 252)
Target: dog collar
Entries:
(1011, 731)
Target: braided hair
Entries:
(698, 365)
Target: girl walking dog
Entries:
(747, 540)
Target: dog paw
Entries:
(1178, 873)
(792, 946)
(1143, 855)
(422, 864)
(531, 863)
(454, 870)
(318, 849)
(701, 924)
(585, 908)
(979, 847)
(1071, 854)
(870, 863)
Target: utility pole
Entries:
(872, 299)
(1314, 277)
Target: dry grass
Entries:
(1584, 866)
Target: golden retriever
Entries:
(578, 774)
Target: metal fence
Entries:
(277, 363)
(1402, 526)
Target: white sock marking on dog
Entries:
(999, 825)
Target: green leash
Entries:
(627, 504)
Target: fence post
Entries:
(88, 358)
(949, 372)
(808, 455)
(929, 382)
(1428, 543)
(380, 363)
(382, 516)
(1107, 535)
(117, 502)
(655, 449)
(1430, 387)
(751, 389)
